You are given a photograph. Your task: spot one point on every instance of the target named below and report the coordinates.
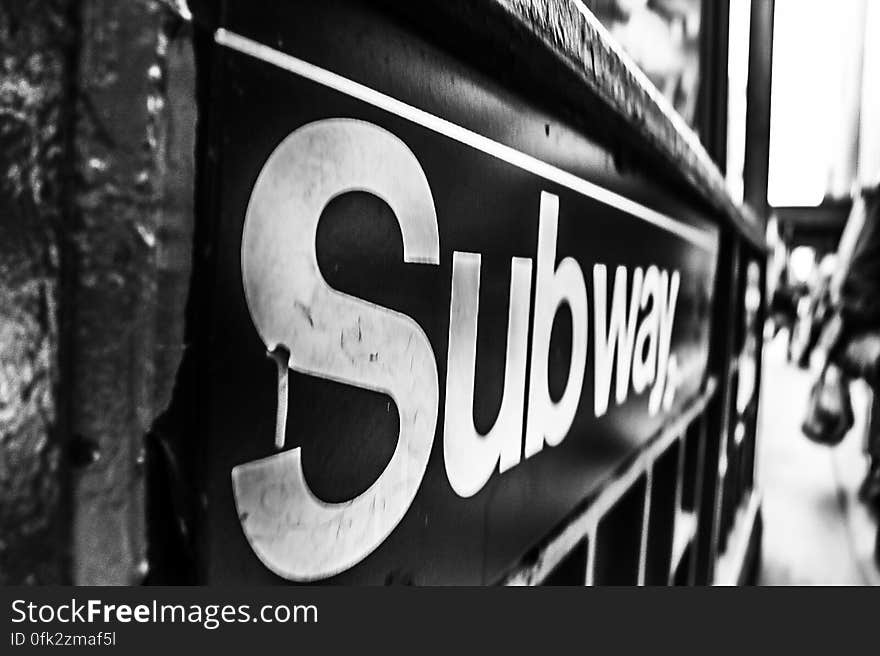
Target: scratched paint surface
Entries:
(133, 157)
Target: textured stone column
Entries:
(36, 38)
(134, 143)
(97, 120)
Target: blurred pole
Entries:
(712, 108)
(757, 157)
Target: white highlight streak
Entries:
(697, 236)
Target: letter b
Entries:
(549, 421)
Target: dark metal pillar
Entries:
(712, 107)
(757, 159)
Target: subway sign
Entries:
(437, 331)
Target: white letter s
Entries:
(294, 533)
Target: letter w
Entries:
(619, 330)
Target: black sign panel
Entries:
(472, 318)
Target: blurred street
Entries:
(815, 530)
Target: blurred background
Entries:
(824, 145)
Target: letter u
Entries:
(469, 456)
